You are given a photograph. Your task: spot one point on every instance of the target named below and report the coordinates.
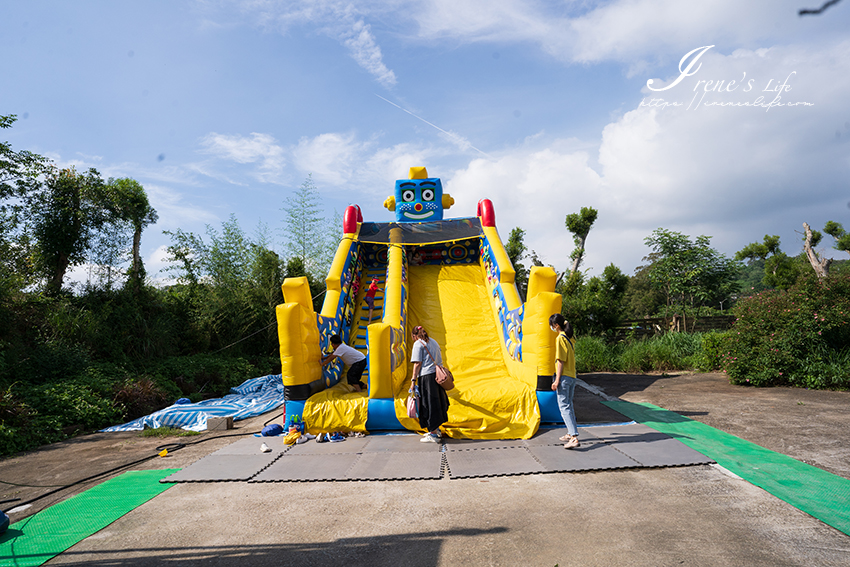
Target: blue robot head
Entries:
(419, 198)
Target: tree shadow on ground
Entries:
(619, 384)
(414, 550)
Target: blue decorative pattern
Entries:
(511, 321)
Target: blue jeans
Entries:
(566, 390)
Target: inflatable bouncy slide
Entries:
(452, 276)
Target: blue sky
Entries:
(223, 108)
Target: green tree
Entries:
(19, 172)
(129, 204)
(516, 250)
(691, 274)
(780, 270)
(233, 284)
(842, 237)
(641, 298)
(596, 306)
(579, 225)
(66, 212)
(267, 274)
(304, 227)
(188, 252)
(17, 167)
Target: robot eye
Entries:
(427, 194)
(408, 196)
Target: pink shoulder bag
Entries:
(444, 375)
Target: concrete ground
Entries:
(674, 516)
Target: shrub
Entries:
(53, 360)
(797, 337)
(712, 349)
(140, 396)
(14, 412)
(207, 374)
(645, 356)
(593, 354)
(76, 403)
(671, 351)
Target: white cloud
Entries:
(365, 51)
(627, 31)
(533, 189)
(173, 211)
(485, 21)
(337, 161)
(254, 148)
(385, 165)
(342, 21)
(733, 173)
(331, 157)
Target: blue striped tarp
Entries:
(251, 398)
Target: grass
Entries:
(671, 351)
(167, 432)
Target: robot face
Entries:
(418, 200)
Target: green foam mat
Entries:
(819, 493)
(44, 535)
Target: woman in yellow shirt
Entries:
(565, 377)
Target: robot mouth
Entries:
(418, 217)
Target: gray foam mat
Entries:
(551, 437)
(385, 457)
(350, 445)
(587, 457)
(662, 453)
(399, 444)
(331, 466)
(236, 462)
(626, 433)
(473, 444)
(397, 466)
(492, 462)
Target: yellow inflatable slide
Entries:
(451, 276)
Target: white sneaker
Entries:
(429, 438)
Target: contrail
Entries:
(460, 140)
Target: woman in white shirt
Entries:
(354, 359)
(433, 400)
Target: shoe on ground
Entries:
(565, 438)
(429, 438)
(337, 437)
(572, 443)
(265, 448)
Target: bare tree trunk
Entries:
(579, 254)
(820, 265)
(54, 286)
